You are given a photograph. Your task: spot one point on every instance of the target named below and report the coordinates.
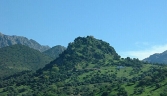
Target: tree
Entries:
(55, 69)
(105, 94)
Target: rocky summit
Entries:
(6, 40)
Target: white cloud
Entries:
(141, 54)
(142, 43)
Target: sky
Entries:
(135, 28)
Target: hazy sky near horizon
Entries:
(135, 28)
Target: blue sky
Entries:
(135, 28)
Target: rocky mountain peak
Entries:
(6, 40)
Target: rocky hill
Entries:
(6, 40)
(158, 58)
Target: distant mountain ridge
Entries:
(157, 58)
(54, 51)
(6, 40)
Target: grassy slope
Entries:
(149, 90)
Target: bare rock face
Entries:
(6, 40)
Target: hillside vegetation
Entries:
(17, 58)
(89, 67)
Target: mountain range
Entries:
(21, 54)
(89, 67)
(6, 40)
